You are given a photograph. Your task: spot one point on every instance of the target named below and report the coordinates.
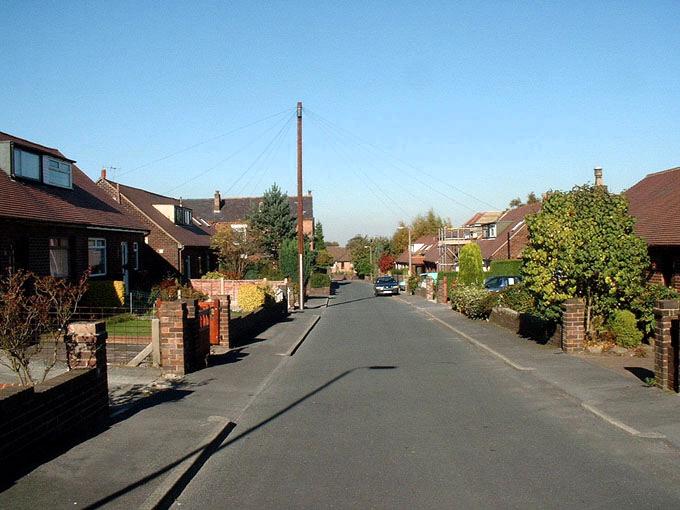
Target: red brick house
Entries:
(655, 203)
(178, 242)
(54, 220)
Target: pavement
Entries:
(160, 429)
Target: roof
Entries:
(187, 235)
(84, 205)
(483, 218)
(655, 203)
(511, 223)
(338, 253)
(236, 210)
(427, 251)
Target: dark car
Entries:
(386, 285)
(498, 283)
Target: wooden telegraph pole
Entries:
(300, 235)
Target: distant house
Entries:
(507, 236)
(424, 255)
(483, 225)
(178, 240)
(54, 220)
(655, 203)
(342, 261)
(234, 211)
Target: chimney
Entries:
(103, 173)
(217, 202)
(309, 192)
(118, 193)
(599, 181)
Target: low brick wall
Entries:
(242, 329)
(318, 291)
(528, 326)
(183, 349)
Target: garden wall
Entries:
(243, 329)
(221, 287)
(528, 326)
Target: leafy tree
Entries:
(421, 225)
(582, 244)
(359, 254)
(386, 262)
(319, 241)
(234, 249)
(324, 259)
(272, 222)
(470, 271)
(532, 199)
(288, 260)
(515, 202)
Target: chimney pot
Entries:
(103, 173)
(599, 181)
(217, 202)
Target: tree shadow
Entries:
(350, 301)
(641, 373)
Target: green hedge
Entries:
(319, 281)
(505, 268)
(105, 293)
(472, 301)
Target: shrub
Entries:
(474, 302)
(213, 275)
(319, 281)
(505, 268)
(171, 290)
(412, 283)
(623, 325)
(470, 266)
(643, 304)
(518, 298)
(105, 293)
(250, 297)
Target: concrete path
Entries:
(146, 448)
(386, 406)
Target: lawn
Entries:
(127, 325)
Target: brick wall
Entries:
(183, 349)
(573, 325)
(221, 287)
(666, 314)
(72, 403)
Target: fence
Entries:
(222, 287)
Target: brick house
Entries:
(655, 203)
(342, 261)
(178, 242)
(218, 211)
(424, 255)
(54, 220)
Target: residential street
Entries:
(382, 407)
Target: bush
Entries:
(470, 266)
(250, 297)
(505, 268)
(213, 275)
(644, 303)
(517, 298)
(412, 283)
(319, 281)
(171, 290)
(474, 302)
(104, 293)
(623, 325)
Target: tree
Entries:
(234, 249)
(470, 271)
(421, 225)
(358, 248)
(319, 241)
(272, 222)
(288, 260)
(582, 244)
(515, 202)
(386, 262)
(324, 259)
(532, 199)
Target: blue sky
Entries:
(458, 106)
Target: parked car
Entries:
(386, 285)
(498, 283)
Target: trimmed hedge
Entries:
(472, 301)
(623, 325)
(319, 281)
(104, 293)
(505, 268)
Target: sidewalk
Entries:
(149, 445)
(621, 400)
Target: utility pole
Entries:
(300, 235)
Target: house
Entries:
(507, 237)
(219, 211)
(178, 242)
(342, 261)
(483, 224)
(54, 220)
(425, 255)
(655, 203)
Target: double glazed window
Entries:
(183, 216)
(59, 257)
(57, 173)
(96, 256)
(50, 170)
(26, 164)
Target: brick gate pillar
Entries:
(225, 317)
(573, 325)
(665, 313)
(173, 318)
(88, 350)
(443, 289)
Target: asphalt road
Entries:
(383, 408)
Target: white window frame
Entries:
(17, 166)
(103, 250)
(53, 167)
(135, 254)
(59, 244)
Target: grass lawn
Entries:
(130, 327)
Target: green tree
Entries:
(421, 225)
(319, 241)
(582, 244)
(234, 249)
(532, 199)
(272, 221)
(288, 260)
(470, 271)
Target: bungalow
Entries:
(178, 242)
(55, 221)
(655, 203)
(342, 261)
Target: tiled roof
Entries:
(484, 217)
(511, 222)
(236, 210)
(428, 250)
(339, 253)
(85, 204)
(187, 235)
(655, 203)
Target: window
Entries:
(183, 216)
(59, 257)
(56, 172)
(490, 231)
(135, 255)
(96, 256)
(26, 164)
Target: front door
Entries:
(124, 266)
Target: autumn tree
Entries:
(386, 262)
(272, 222)
(421, 225)
(234, 249)
(582, 244)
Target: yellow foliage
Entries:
(250, 297)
